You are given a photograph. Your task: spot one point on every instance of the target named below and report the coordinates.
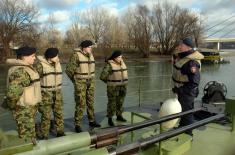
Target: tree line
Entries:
(139, 28)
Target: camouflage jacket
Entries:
(17, 81)
(107, 70)
(39, 68)
(72, 66)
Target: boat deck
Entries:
(212, 139)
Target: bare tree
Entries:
(97, 21)
(55, 38)
(142, 29)
(172, 23)
(165, 26)
(139, 28)
(115, 36)
(75, 30)
(128, 21)
(186, 23)
(68, 39)
(15, 17)
(51, 36)
(30, 37)
(76, 33)
(198, 31)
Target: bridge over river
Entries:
(220, 43)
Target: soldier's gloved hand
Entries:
(11, 105)
(175, 90)
(4, 103)
(72, 80)
(105, 81)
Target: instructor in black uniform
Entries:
(186, 78)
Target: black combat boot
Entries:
(60, 134)
(94, 124)
(78, 129)
(52, 127)
(121, 119)
(110, 121)
(42, 137)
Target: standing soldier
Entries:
(115, 75)
(50, 72)
(186, 78)
(81, 71)
(24, 92)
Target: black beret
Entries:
(86, 43)
(51, 53)
(115, 54)
(188, 42)
(25, 51)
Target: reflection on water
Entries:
(146, 82)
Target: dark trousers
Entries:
(187, 103)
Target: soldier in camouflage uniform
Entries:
(115, 75)
(50, 72)
(24, 92)
(81, 71)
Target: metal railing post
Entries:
(140, 81)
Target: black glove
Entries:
(175, 90)
(8, 105)
(73, 80)
(4, 103)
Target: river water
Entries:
(149, 83)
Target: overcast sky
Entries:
(213, 11)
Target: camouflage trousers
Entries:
(25, 121)
(51, 102)
(84, 96)
(116, 97)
